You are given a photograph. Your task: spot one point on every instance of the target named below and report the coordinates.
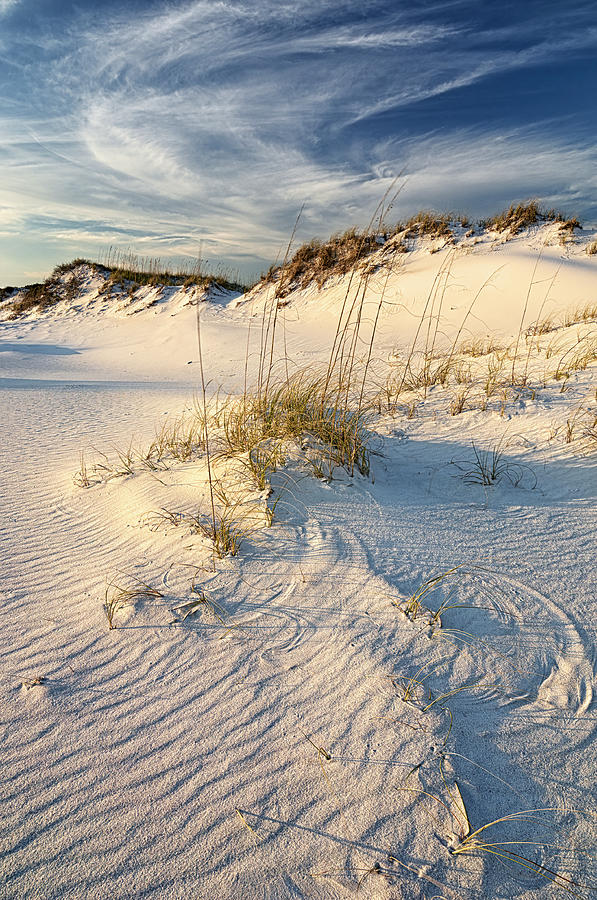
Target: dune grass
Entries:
(318, 260)
(522, 215)
(118, 597)
(64, 283)
(489, 466)
(306, 408)
(126, 267)
(120, 271)
(328, 416)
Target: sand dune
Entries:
(297, 734)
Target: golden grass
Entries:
(522, 215)
(118, 597)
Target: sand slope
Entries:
(302, 737)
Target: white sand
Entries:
(178, 759)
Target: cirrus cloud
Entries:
(212, 122)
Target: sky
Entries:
(201, 128)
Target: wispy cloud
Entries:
(6, 5)
(475, 173)
(480, 66)
(361, 39)
(213, 121)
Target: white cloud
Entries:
(214, 121)
(481, 173)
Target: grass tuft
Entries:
(305, 408)
(475, 842)
(522, 215)
(117, 597)
(319, 260)
(489, 467)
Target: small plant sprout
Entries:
(411, 687)
(117, 598)
(415, 606)
(488, 467)
(36, 681)
(81, 478)
(321, 751)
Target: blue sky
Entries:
(169, 126)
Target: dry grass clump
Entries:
(586, 313)
(577, 358)
(579, 315)
(63, 284)
(429, 224)
(540, 327)
(481, 346)
(131, 279)
(458, 402)
(66, 268)
(592, 248)
(40, 295)
(307, 408)
(226, 530)
(7, 292)
(319, 416)
(417, 374)
(475, 379)
(124, 271)
(319, 260)
(117, 597)
(322, 417)
(181, 439)
(234, 517)
(128, 269)
(567, 225)
(520, 216)
(580, 428)
(589, 434)
(262, 461)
